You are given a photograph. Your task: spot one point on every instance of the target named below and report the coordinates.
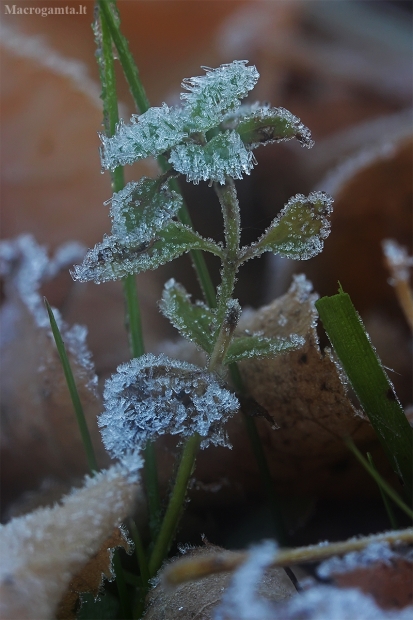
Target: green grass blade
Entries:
(376, 476)
(74, 394)
(108, 10)
(370, 382)
(111, 118)
(387, 505)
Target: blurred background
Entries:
(344, 67)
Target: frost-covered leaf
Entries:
(193, 321)
(44, 549)
(260, 124)
(150, 133)
(154, 395)
(112, 260)
(247, 347)
(299, 230)
(220, 90)
(40, 435)
(224, 155)
(141, 209)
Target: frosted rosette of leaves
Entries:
(220, 90)
(154, 395)
(159, 129)
(141, 209)
(224, 155)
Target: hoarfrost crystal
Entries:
(154, 395)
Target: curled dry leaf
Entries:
(198, 600)
(43, 550)
(306, 397)
(90, 578)
(40, 436)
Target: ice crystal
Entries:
(141, 209)
(224, 155)
(260, 124)
(150, 133)
(217, 92)
(154, 395)
(240, 600)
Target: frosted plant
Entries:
(154, 395)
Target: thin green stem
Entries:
(121, 586)
(387, 505)
(262, 463)
(376, 476)
(139, 550)
(74, 394)
(142, 103)
(176, 503)
(133, 317)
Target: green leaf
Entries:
(112, 260)
(193, 321)
(370, 382)
(260, 124)
(298, 232)
(141, 209)
(224, 155)
(105, 607)
(247, 347)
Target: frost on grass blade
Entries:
(155, 395)
(298, 232)
(112, 260)
(141, 209)
(224, 155)
(193, 321)
(151, 133)
(220, 90)
(260, 124)
(247, 347)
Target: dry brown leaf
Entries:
(197, 600)
(305, 396)
(44, 549)
(90, 578)
(40, 435)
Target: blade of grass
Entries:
(376, 476)
(111, 118)
(369, 381)
(74, 394)
(126, 611)
(387, 505)
(109, 11)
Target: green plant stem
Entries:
(371, 384)
(142, 103)
(387, 505)
(121, 586)
(74, 394)
(133, 317)
(262, 463)
(176, 503)
(140, 552)
(376, 476)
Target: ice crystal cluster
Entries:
(154, 395)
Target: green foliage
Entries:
(247, 347)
